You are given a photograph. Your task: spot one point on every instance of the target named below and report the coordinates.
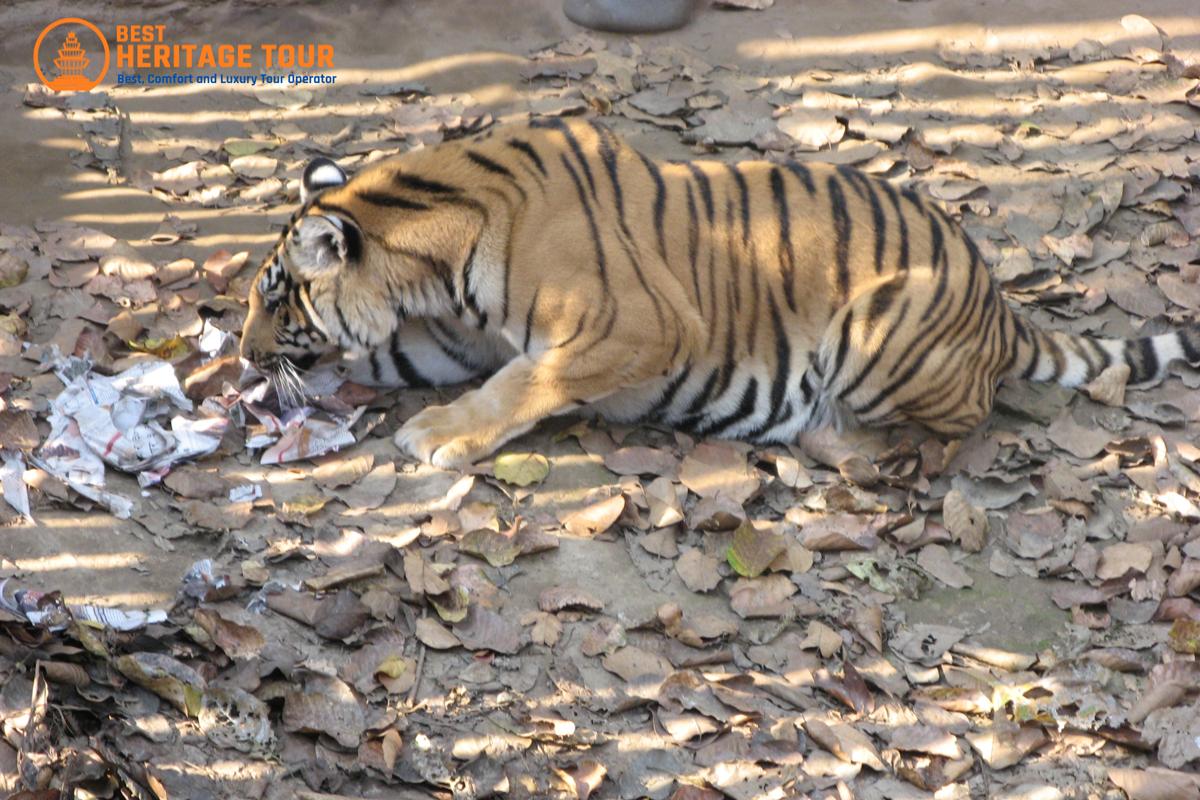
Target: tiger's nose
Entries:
(249, 353)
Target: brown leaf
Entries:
(868, 621)
(434, 634)
(792, 473)
(1006, 743)
(546, 627)
(660, 543)
(925, 739)
(846, 742)
(595, 518)
(337, 470)
(18, 431)
(1109, 386)
(207, 379)
(172, 680)
(719, 469)
(665, 501)
(583, 778)
(218, 517)
(966, 523)
(422, 576)
(485, 629)
(643, 461)
(698, 570)
(498, 549)
(344, 573)
(936, 560)
(340, 615)
(192, 481)
(380, 663)
(1184, 636)
(795, 558)
(754, 547)
(237, 641)
(1118, 559)
(761, 597)
(825, 532)
(1079, 441)
(632, 662)
(372, 489)
(323, 704)
(688, 792)
(823, 638)
(925, 643)
(73, 276)
(558, 598)
(1156, 783)
(334, 617)
(222, 265)
(1161, 695)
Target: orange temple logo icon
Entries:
(75, 67)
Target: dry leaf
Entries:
(485, 629)
(546, 629)
(433, 634)
(237, 641)
(719, 469)
(846, 742)
(583, 778)
(498, 549)
(339, 470)
(761, 597)
(595, 518)
(936, 560)
(1006, 743)
(642, 461)
(1118, 559)
(666, 504)
(631, 663)
(966, 523)
(754, 548)
(521, 469)
(698, 571)
(1109, 386)
(325, 705)
(560, 598)
(1156, 783)
(823, 638)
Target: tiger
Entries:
(764, 301)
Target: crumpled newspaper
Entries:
(297, 434)
(12, 482)
(48, 611)
(200, 580)
(117, 420)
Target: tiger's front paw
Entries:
(442, 436)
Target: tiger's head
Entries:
(356, 258)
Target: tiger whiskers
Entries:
(289, 386)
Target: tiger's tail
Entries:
(1071, 360)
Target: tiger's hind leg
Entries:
(919, 347)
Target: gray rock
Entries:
(629, 16)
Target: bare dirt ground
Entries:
(1010, 616)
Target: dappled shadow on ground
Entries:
(1013, 615)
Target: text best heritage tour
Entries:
(145, 47)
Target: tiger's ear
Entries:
(321, 173)
(321, 244)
